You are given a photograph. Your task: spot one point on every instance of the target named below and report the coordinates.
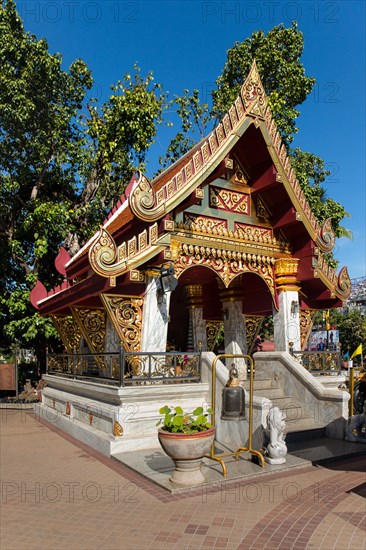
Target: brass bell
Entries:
(233, 398)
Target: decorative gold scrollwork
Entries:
(68, 330)
(126, 315)
(213, 330)
(228, 264)
(93, 325)
(306, 324)
(253, 325)
(344, 284)
(103, 255)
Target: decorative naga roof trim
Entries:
(339, 285)
(326, 239)
(109, 260)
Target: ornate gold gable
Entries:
(251, 106)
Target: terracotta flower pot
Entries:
(187, 451)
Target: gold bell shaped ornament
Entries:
(233, 398)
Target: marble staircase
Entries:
(311, 408)
(298, 417)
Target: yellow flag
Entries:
(357, 352)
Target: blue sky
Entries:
(184, 43)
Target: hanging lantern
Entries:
(168, 281)
(233, 398)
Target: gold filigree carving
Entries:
(202, 223)
(286, 266)
(253, 94)
(125, 312)
(286, 274)
(306, 324)
(253, 325)
(231, 201)
(227, 264)
(262, 210)
(68, 330)
(251, 232)
(213, 331)
(92, 323)
(204, 230)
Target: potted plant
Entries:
(186, 437)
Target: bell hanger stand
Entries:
(254, 452)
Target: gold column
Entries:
(194, 296)
(286, 274)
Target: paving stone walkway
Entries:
(58, 494)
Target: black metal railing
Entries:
(320, 362)
(128, 368)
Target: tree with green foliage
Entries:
(278, 58)
(352, 328)
(63, 164)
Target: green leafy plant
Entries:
(178, 421)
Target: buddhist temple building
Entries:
(216, 242)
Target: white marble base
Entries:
(275, 460)
(88, 410)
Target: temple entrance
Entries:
(205, 314)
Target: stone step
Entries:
(283, 402)
(302, 424)
(270, 393)
(332, 381)
(263, 383)
(304, 435)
